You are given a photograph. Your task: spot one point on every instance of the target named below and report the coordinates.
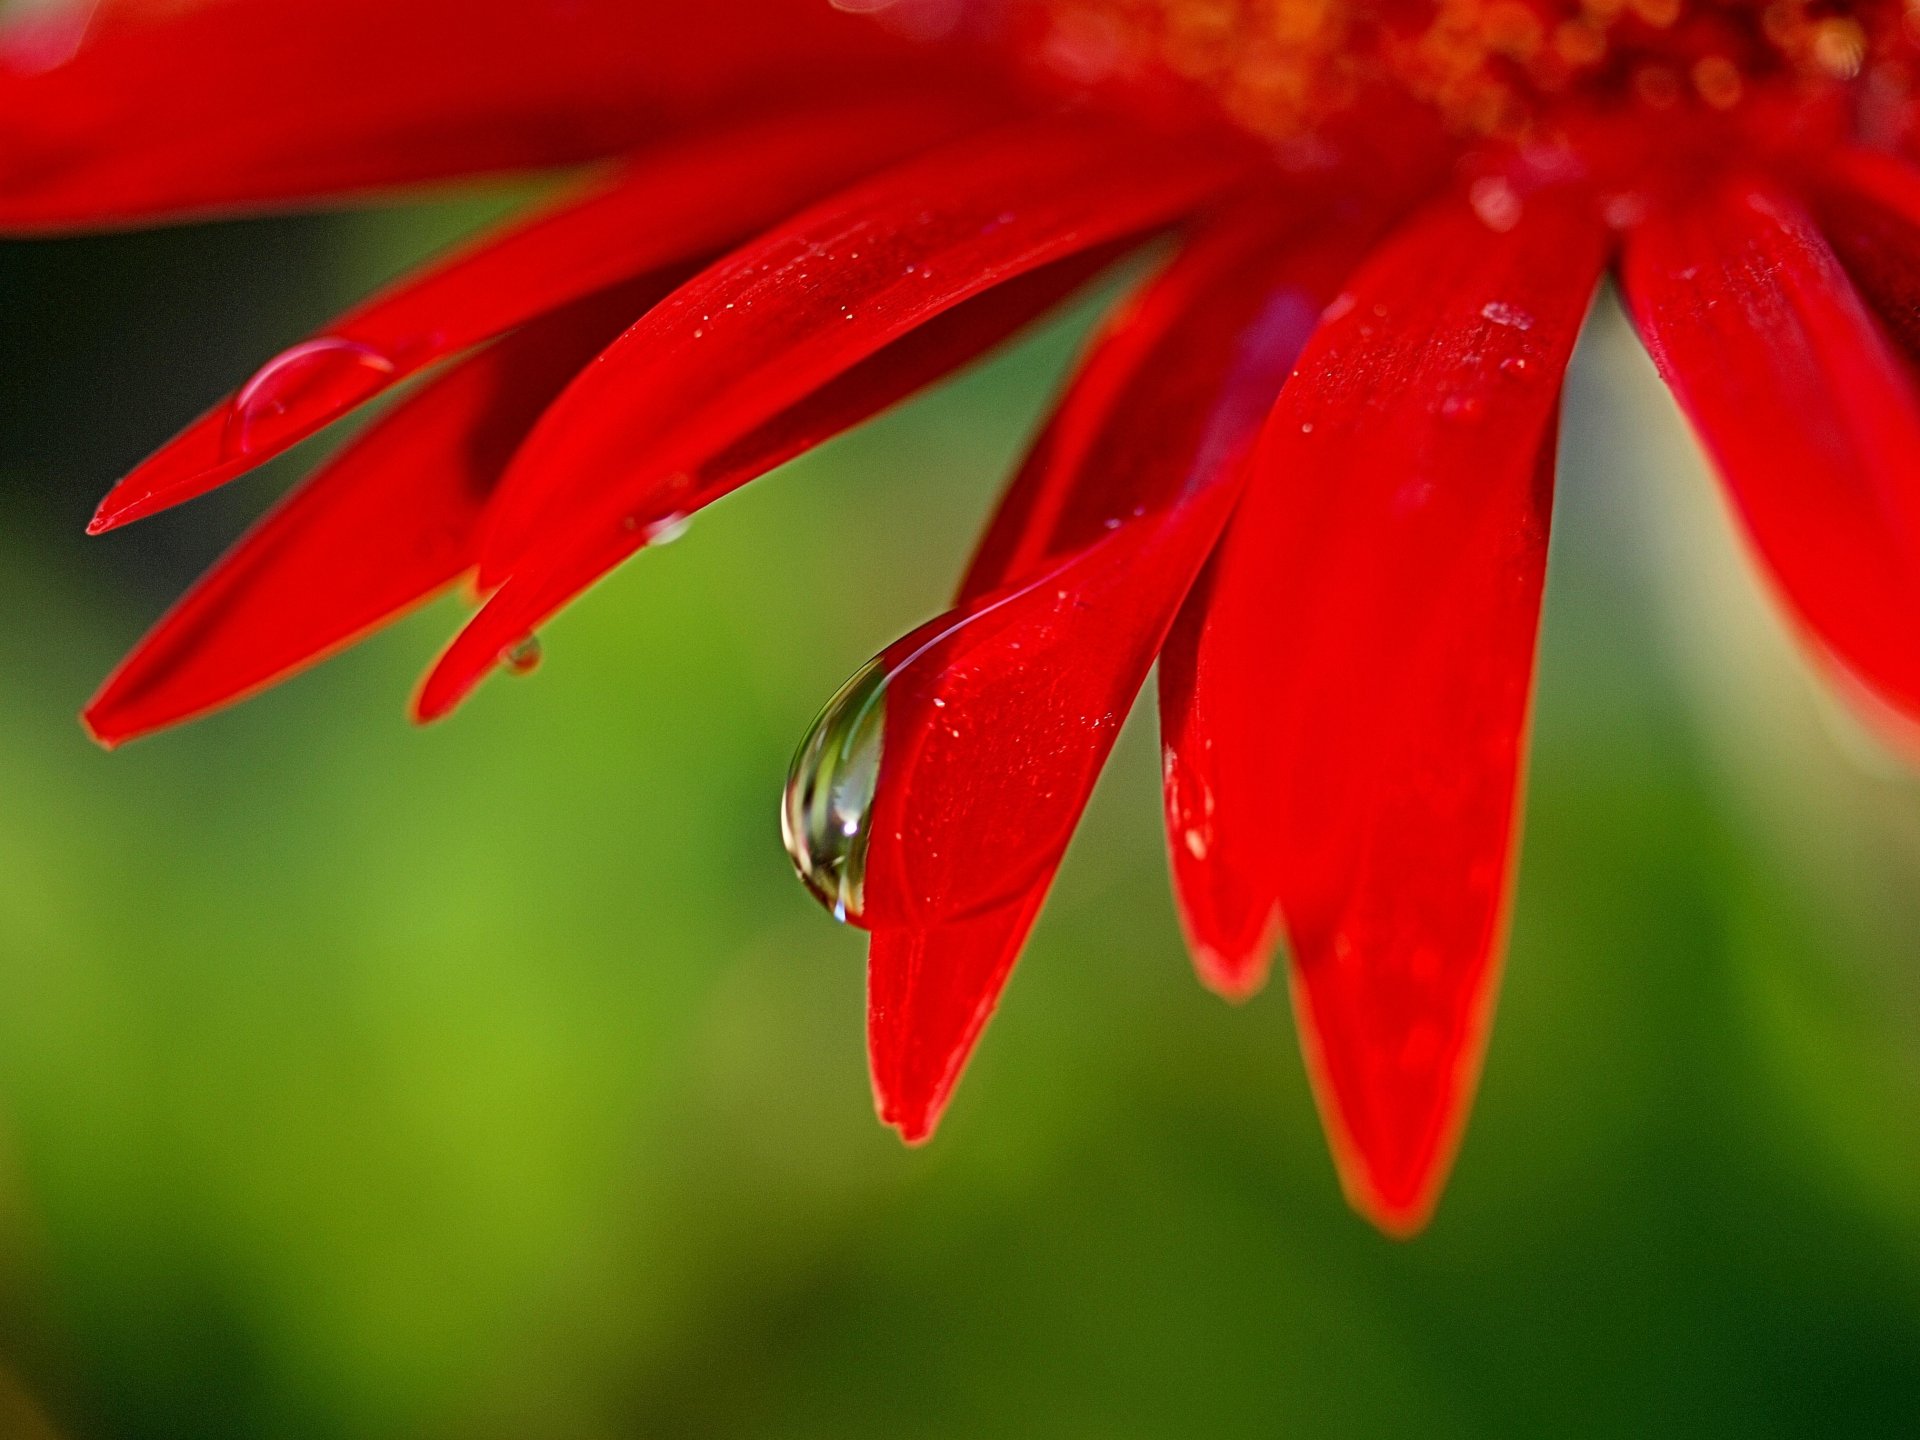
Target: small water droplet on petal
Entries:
(301, 389)
(524, 658)
(1501, 313)
(829, 794)
(667, 529)
(1495, 202)
(1339, 307)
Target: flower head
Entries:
(1307, 466)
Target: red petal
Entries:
(120, 113)
(1806, 410)
(780, 318)
(663, 213)
(1869, 208)
(390, 521)
(560, 570)
(1344, 699)
(952, 971)
(997, 717)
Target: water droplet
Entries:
(1341, 306)
(935, 702)
(829, 795)
(1623, 212)
(1501, 313)
(39, 38)
(524, 658)
(301, 389)
(667, 529)
(1495, 202)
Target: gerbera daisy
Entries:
(1307, 465)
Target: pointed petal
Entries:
(1345, 699)
(929, 993)
(125, 113)
(665, 213)
(386, 524)
(998, 717)
(1807, 412)
(558, 571)
(782, 317)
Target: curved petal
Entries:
(116, 113)
(1344, 698)
(783, 316)
(385, 525)
(1868, 204)
(1808, 413)
(554, 574)
(666, 212)
(995, 720)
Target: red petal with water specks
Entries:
(1807, 411)
(126, 113)
(663, 213)
(782, 317)
(386, 524)
(1345, 695)
(552, 576)
(999, 715)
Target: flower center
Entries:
(1508, 69)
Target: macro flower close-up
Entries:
(1333, 258)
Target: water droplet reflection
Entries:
(668, 529)
(300, 390)
(825, 812)
(524, 658)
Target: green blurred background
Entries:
(498, 1080)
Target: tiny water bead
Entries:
(667, 529)
(300, 389)
(523, 658)
(828, 804)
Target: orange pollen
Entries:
(1500, 68)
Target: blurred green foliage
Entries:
(498, 1081)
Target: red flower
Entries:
(1334, 408)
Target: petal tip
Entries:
(121, 507)
(930, 992)
(913, 1122)
(1235, 978)
(96, 721)
(1402, 1222)
(427, 707)
(1399, 1205)
(909, 1101)
(443, 689)
(1231, 950)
